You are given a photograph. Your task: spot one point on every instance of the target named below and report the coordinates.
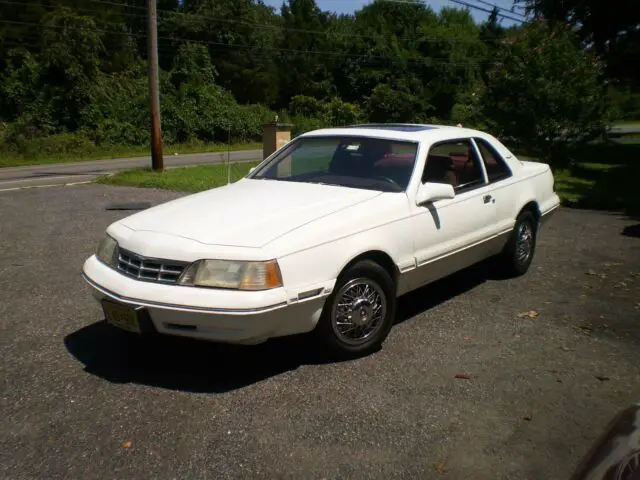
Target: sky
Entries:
(349, 6)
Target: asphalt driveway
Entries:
(81, 400)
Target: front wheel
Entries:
(520, 248)
(359, 314)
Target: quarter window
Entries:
(496, 167)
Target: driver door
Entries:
(452, 234)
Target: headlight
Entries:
(108, 251)
(231, 274)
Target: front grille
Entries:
(150, 270)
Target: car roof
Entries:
(400, 131)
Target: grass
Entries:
(602, 177)
(183, 179)
(107, 153)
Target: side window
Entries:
(454, 162)
(497, 168)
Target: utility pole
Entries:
(157, 161)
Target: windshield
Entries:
(349, 161)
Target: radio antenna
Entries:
(229, 157)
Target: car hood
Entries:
(248, 213)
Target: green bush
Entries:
(625, 103)
(302, 105)
(303, 124)
(63, 144)
(110, 132)
(211, 114)
(339, 113)
(388, 104)
(250, 120)
(309, 113)
(468, 109)
(119, 112)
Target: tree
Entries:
(192, 65)
(545, 92)
(387, 104)
(611, 28)
(242, 38)
(303, 59)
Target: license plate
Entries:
(122, 316)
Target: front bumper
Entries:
(207, 314)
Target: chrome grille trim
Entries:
(149, 269)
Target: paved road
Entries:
(64, 173)
(81, 400)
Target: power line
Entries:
(252, 47)
(193, 17)
(79, 9)
(460, 2)
(118, 4)
(497, 7)
(416, 2)
(329, 32)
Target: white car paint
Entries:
(313, 231)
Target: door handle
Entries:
(487, 198)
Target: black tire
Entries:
(354, 280)
(513, 259)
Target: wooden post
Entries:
(157, 161)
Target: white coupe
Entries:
(323, 236)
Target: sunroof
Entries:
(400, 127)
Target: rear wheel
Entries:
(520, 248)
(359, 314)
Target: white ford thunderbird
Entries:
(323, 236)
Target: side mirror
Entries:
(430, 192)
(252, 169)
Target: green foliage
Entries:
(386, 104)
(333, 111)
(210, 113)
(62, 144)
(469, 108)
(602, 177)
(227, 66)
(544, 91)
(118, 113)
(611, 30)
(306, 106)
(192, 66)
(625, 103)
(302, 124)
(339, 113)
(18, 83)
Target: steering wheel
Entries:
(389, 180)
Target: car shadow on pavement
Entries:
(430, 296)
(190, 365)
(632, 231)
(181, 363)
